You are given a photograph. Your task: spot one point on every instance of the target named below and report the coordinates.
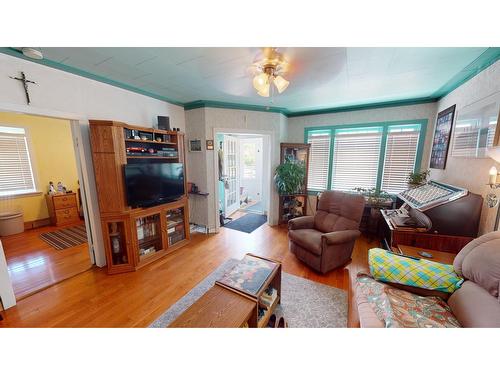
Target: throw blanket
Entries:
(390, 267)
(400, 309)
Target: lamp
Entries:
(492, 199)
(280, 83)
(269, 71)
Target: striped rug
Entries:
(64, 238)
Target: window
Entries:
(400, 157)
(319, 159)
(369, 156)
(356, 158)
(16, 172)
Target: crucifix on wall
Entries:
(25, 82)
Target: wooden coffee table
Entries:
(218, 308)
(236, 299)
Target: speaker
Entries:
(163, 123)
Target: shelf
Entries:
(269, 311)
(151, 157)
(198, 193)
(148, 141)
(150, 239)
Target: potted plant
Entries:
(416, 179)
(376, 199)
(289, 177)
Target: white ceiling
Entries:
(319, 77)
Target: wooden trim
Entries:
(36, 223)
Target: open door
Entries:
(231, 164)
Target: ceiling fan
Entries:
(268, 71)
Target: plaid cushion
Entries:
(389, 267)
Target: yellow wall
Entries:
(53, 159)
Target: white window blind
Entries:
(16, 173)
(319, 159)
(356, 158)
(400, 157)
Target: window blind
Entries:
(16, 174)
(356, 158)
(400, 157)
(319, 158)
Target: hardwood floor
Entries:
(34, 265)
(95, 299)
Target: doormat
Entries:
(64, 238)
(247, 223)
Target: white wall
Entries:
(202, 165)
(296, 125)
(471, 173)
(6, 292)
(58, 92)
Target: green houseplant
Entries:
(376, 199)
(416, 179)
(289, 177)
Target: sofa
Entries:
(475, 304)
(325, 241)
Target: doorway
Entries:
(51, 240)
(243, 177)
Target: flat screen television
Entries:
(152, 184)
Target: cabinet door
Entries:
(148, 234)
(176, 221)
(116, 233)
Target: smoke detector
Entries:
(32, 53)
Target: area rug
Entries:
(255, 208)
(64, 238)
(247, 223)
(304, 303)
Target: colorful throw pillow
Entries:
(400, 309)
(390, 267)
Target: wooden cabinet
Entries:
(63, 208)
(117, 242)
(135, 237)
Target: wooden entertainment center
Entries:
(134, 237)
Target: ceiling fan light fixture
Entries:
(280, 83)
(260, 81)
(264, 91)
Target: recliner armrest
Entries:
(303, 222)
(340, 237)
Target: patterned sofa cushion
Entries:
(390, 267)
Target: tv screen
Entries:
(153, 183)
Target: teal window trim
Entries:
(385, 128)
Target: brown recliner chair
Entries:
(325, 241)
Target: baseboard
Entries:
(36, 223)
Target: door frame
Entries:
(85, 174)
(269, 140)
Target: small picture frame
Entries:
(210, 144)
(195, 145)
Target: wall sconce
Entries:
(491, 198)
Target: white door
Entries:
(232, 186)
(251, 168)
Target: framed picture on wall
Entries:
(441, 141)
(195, 145)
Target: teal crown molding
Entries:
(486, 59)
(225, 105)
